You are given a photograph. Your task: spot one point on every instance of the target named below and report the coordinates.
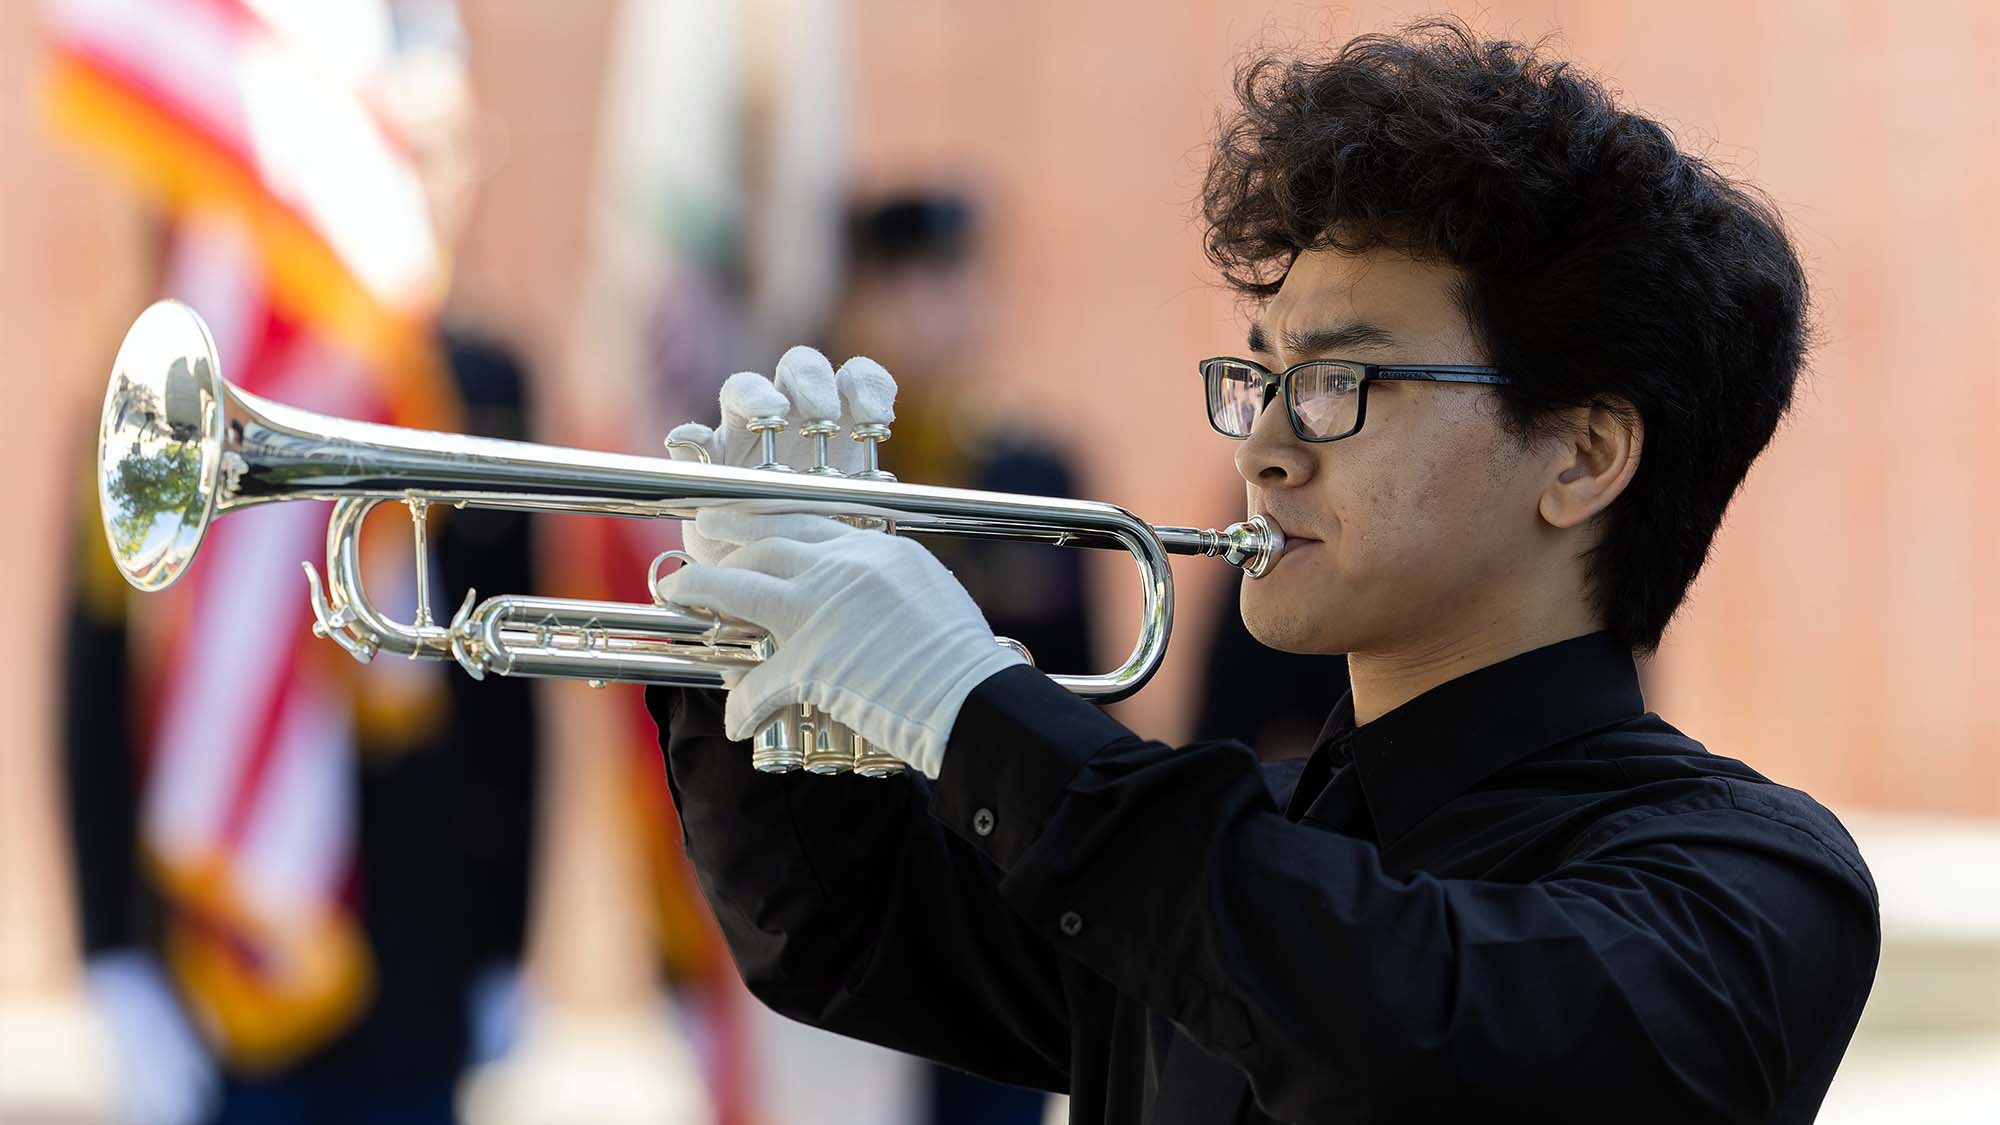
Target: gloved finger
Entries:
(761, 695)
(734, 524)
(806, 378)
(746, 395)
(692, 441)
(867, 397)
(867, 392)
(769, 603)
(779, 558)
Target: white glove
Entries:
(165, 1075)
(870, 627)
(808, 389)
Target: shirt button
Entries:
(1071, 923)
(982, 822)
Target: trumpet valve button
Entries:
(871, 435)
(768, 427)
(819, 429)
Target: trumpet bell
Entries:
(160, 445)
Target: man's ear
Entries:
(1591, 461)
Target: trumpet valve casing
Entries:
(773, 749)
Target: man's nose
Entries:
(1273, 456)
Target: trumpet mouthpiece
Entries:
(1255, 545)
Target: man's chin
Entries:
(1288, 628)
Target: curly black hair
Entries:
(1601, 263)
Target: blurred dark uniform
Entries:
(444, 834)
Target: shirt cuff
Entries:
(1018, 741)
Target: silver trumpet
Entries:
(178, 446)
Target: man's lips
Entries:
(1293, 542)
(1290, 537)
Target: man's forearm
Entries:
(848, 907)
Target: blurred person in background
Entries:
(915, 298)
(1515, 355)
(443, 772)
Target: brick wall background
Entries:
(1840, 639)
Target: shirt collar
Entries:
(1447, 740)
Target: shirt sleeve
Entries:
(848, 907)
(1680, 968)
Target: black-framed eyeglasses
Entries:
(1326, 399)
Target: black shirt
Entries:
(1519, 892)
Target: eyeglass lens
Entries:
(1326, 398)
(1235, 394)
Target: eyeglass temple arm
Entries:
(1435, 373)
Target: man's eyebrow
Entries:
(1331, 338)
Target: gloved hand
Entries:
(165, 1075)
(807, 389)
(870, 627)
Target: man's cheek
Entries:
(1364, 549)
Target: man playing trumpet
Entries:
(1515, 354)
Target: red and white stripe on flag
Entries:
(248, 813)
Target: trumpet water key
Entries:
(178, 446)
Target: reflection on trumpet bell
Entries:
(178, 446)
